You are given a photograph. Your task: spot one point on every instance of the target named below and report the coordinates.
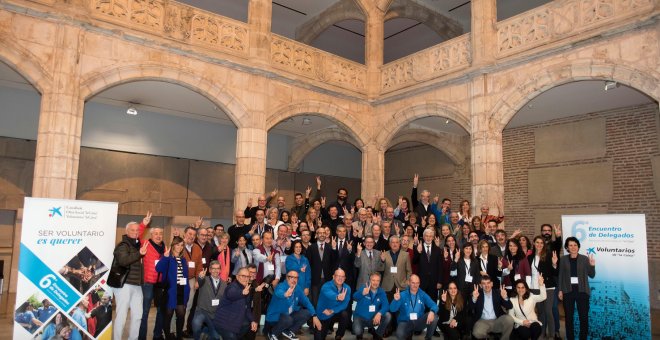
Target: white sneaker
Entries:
(289, 335)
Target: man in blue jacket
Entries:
(233, 317)
(411, 305)
(487, 309)
(333, 301)
(372, 308)
(288, 310)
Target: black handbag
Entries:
(117, 275)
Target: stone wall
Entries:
(438, 174)
(595, 163)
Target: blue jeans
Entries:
(147, 299)
(291, 322)
(203, 318)
(227, 335)
(359, 323)
(406, 328)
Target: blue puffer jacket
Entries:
(234, 309)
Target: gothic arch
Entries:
(519, 96)
(303, 145)
(96, 82)
(453, 146)
(421, 110)
(24, 63)
(331, 111)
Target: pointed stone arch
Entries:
(511, 102)
(96, 82)
(24, 63)
(327, 110)
(420, 110)
(455, 147)
(303, 145)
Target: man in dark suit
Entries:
(381, 243)
(422, 206)
(345, 256)
(322, 261)
(428, 258)
(486, 306)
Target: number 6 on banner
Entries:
(577, 231)
(46, 281)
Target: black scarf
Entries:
(159, 248)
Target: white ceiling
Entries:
(570, 99)
(576, 98)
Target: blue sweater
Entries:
(279, 304)
(167, 267)
(328, 300)
(304, 278)
(415, 304)
(378, 299)
(234, 309)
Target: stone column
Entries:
(373, 49)
(486, 157)
(60, 122)
(250, 165)
(373, 171)
(484, 35)
(260, 14)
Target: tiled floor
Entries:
(7, 324)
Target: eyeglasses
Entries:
(292, 277)
(243, 275)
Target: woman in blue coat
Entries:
(174, 270)
(298, 262)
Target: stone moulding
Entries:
(292, 56)
(444, 58)
(176, 21)
(560, 19)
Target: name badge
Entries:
(453, 272)
(393, 270)
(574, 280)
(468, 278)
(516, 277)
(191, 264)
(372, 308)
(183, 281)
(270, 266)
(215, 302)
(290, 310)
(203, 260)
(413, 316)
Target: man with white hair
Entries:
(155, 250)
(422, 206)
(429, 257)
(128, 294)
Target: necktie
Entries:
(321, 251)
(428, 252)
(341, 246)
(369, 255)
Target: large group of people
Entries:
(414, 267)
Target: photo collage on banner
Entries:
(620, 289)
(65, 255)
